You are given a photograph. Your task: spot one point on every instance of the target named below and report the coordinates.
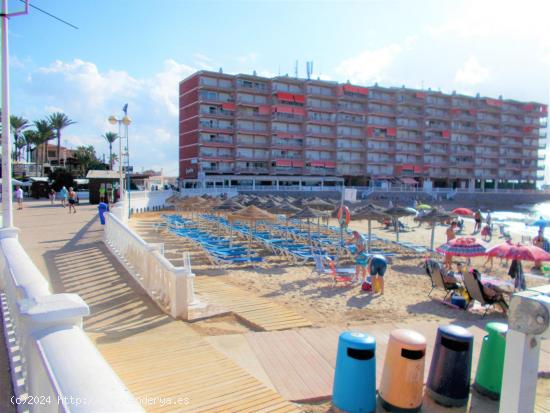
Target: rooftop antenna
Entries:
(220, 70)
(296, 69)
(254, 73)
(309, 69)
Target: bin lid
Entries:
(456, 333)
(409, 339)
(358, 340)
(497, 328)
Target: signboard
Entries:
(350, 194)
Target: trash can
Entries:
(491, 361)
(449, 378)
(354, 388)
(102, 208)
(403, 375)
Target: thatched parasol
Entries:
(434, 217)
(309, 213)
(229, 205)
(251, 214)
(397, 212)
(284, 208)
(369, 212)
(319, 204)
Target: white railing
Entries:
(170, 287)
(54, 365)
(231, 192)
(141, 201)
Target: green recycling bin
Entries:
(491, 361)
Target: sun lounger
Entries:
(437, 276)
(475, 290)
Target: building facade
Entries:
(244, 125)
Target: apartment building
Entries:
(245, 125)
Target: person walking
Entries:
(477, 218)
(19, 196)
(64, 195)
(451, 234)
(72, 200)
(51, 195)
(361, 256)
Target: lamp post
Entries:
(126, 121)
(7, 207)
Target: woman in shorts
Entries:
(377, 268)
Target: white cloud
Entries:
(370, 65)
(88, 96)
(471, 73)
(203, 62)
(248, 58)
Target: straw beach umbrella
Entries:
(319, 204)
(309, 213)
(434, 217)
(251, 214)
(397, 212)
(369, 212)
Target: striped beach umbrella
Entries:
(463, 247)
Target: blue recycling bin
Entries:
(102, 208)
(354, 388)
(449, 379)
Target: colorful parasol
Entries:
(525, 253)
(467, 212)
(463, 247)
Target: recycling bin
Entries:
(102, 208)
(449, 378)
(491, 361)
(354, 388)
(402, 382)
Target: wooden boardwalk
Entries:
(260, 313)
(164, 362)
(300, 363)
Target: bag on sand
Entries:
(367, 287)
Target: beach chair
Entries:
(436, 273)
(474, 287)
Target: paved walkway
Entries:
(164, 362)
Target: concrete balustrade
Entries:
(169, 286)
(55, 367)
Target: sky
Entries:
(137, 51)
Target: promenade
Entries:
(165, 363)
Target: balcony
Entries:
(217, 112)
(251, 115)
(251, 170)
(287, 117)
(252, 86)
(218, 142)
(214, 126)
(344, 121)
(350, 147)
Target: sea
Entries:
(518, 222)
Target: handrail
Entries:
(169, 286)
(56, 376)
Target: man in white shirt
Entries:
(19, 197)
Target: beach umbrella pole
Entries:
(370, 236)
(433, 237)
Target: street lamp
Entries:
(126, 121)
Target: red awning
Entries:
(420, 95)
(417, 169)
(408, 167)
(527, 129)
(473, 112)
(409, 181)
(493, 102)
(282, 109)
(445, 133)
(544, 109)
(455, 111)
(528, 107)
(228, 106)
(356, 89)
(330, 164)
(299, 111)
(264, 110)
(289, 97)
(391, 132)
(299, 164)
(283, 162)
(317, 163)
(299, 98)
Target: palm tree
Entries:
(17, 124)
(59, 121)
(31, 138)
(45, 133)
(112, 159)
(110, 137)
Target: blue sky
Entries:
(136, 51)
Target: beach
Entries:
(324, 303)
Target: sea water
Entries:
(519, 222)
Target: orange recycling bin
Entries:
(403, 375)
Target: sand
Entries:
(323, 303)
